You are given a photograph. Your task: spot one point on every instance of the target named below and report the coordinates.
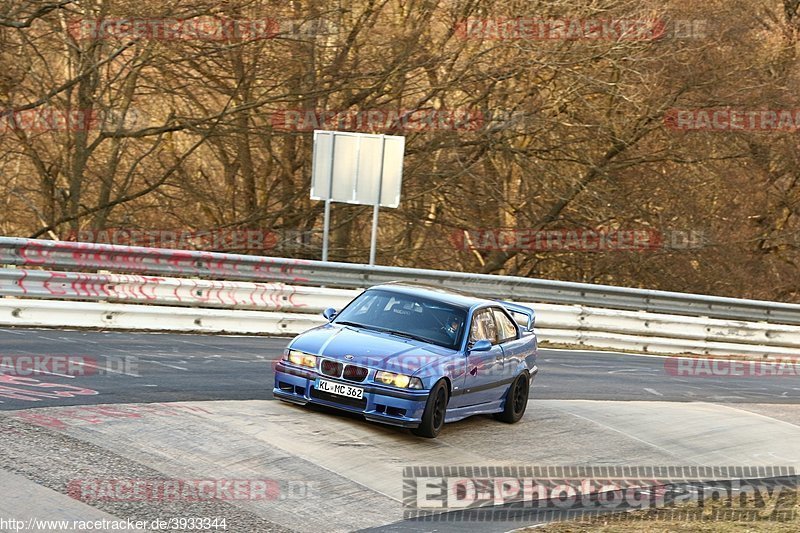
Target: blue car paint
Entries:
(478, 380)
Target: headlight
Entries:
(398, 380)
(301, 359)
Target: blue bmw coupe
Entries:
(415, 357)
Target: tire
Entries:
(434, 414)
(516, 400)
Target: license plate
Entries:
(340, 389)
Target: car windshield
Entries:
(406, 315)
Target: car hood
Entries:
(369, 348)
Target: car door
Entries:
(484, 369)
(515, 346)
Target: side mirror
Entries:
(482, 345)
(329, 313)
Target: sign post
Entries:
(373, 242)
(326, 224)
(356, 168)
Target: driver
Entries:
(452, 326)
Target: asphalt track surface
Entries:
(152, 367)
(199, 407)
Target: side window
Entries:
(483, 327)
(505, 327)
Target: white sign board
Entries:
(357, 167)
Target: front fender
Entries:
(454, 368)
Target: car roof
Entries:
(448, 296)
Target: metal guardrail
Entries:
(561, 324)
(63, 255)
(151, 290)
(182, 297)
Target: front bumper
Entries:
(383, 404)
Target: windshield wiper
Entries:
(401, 334)
(346, 323)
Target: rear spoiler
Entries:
(524, 316)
